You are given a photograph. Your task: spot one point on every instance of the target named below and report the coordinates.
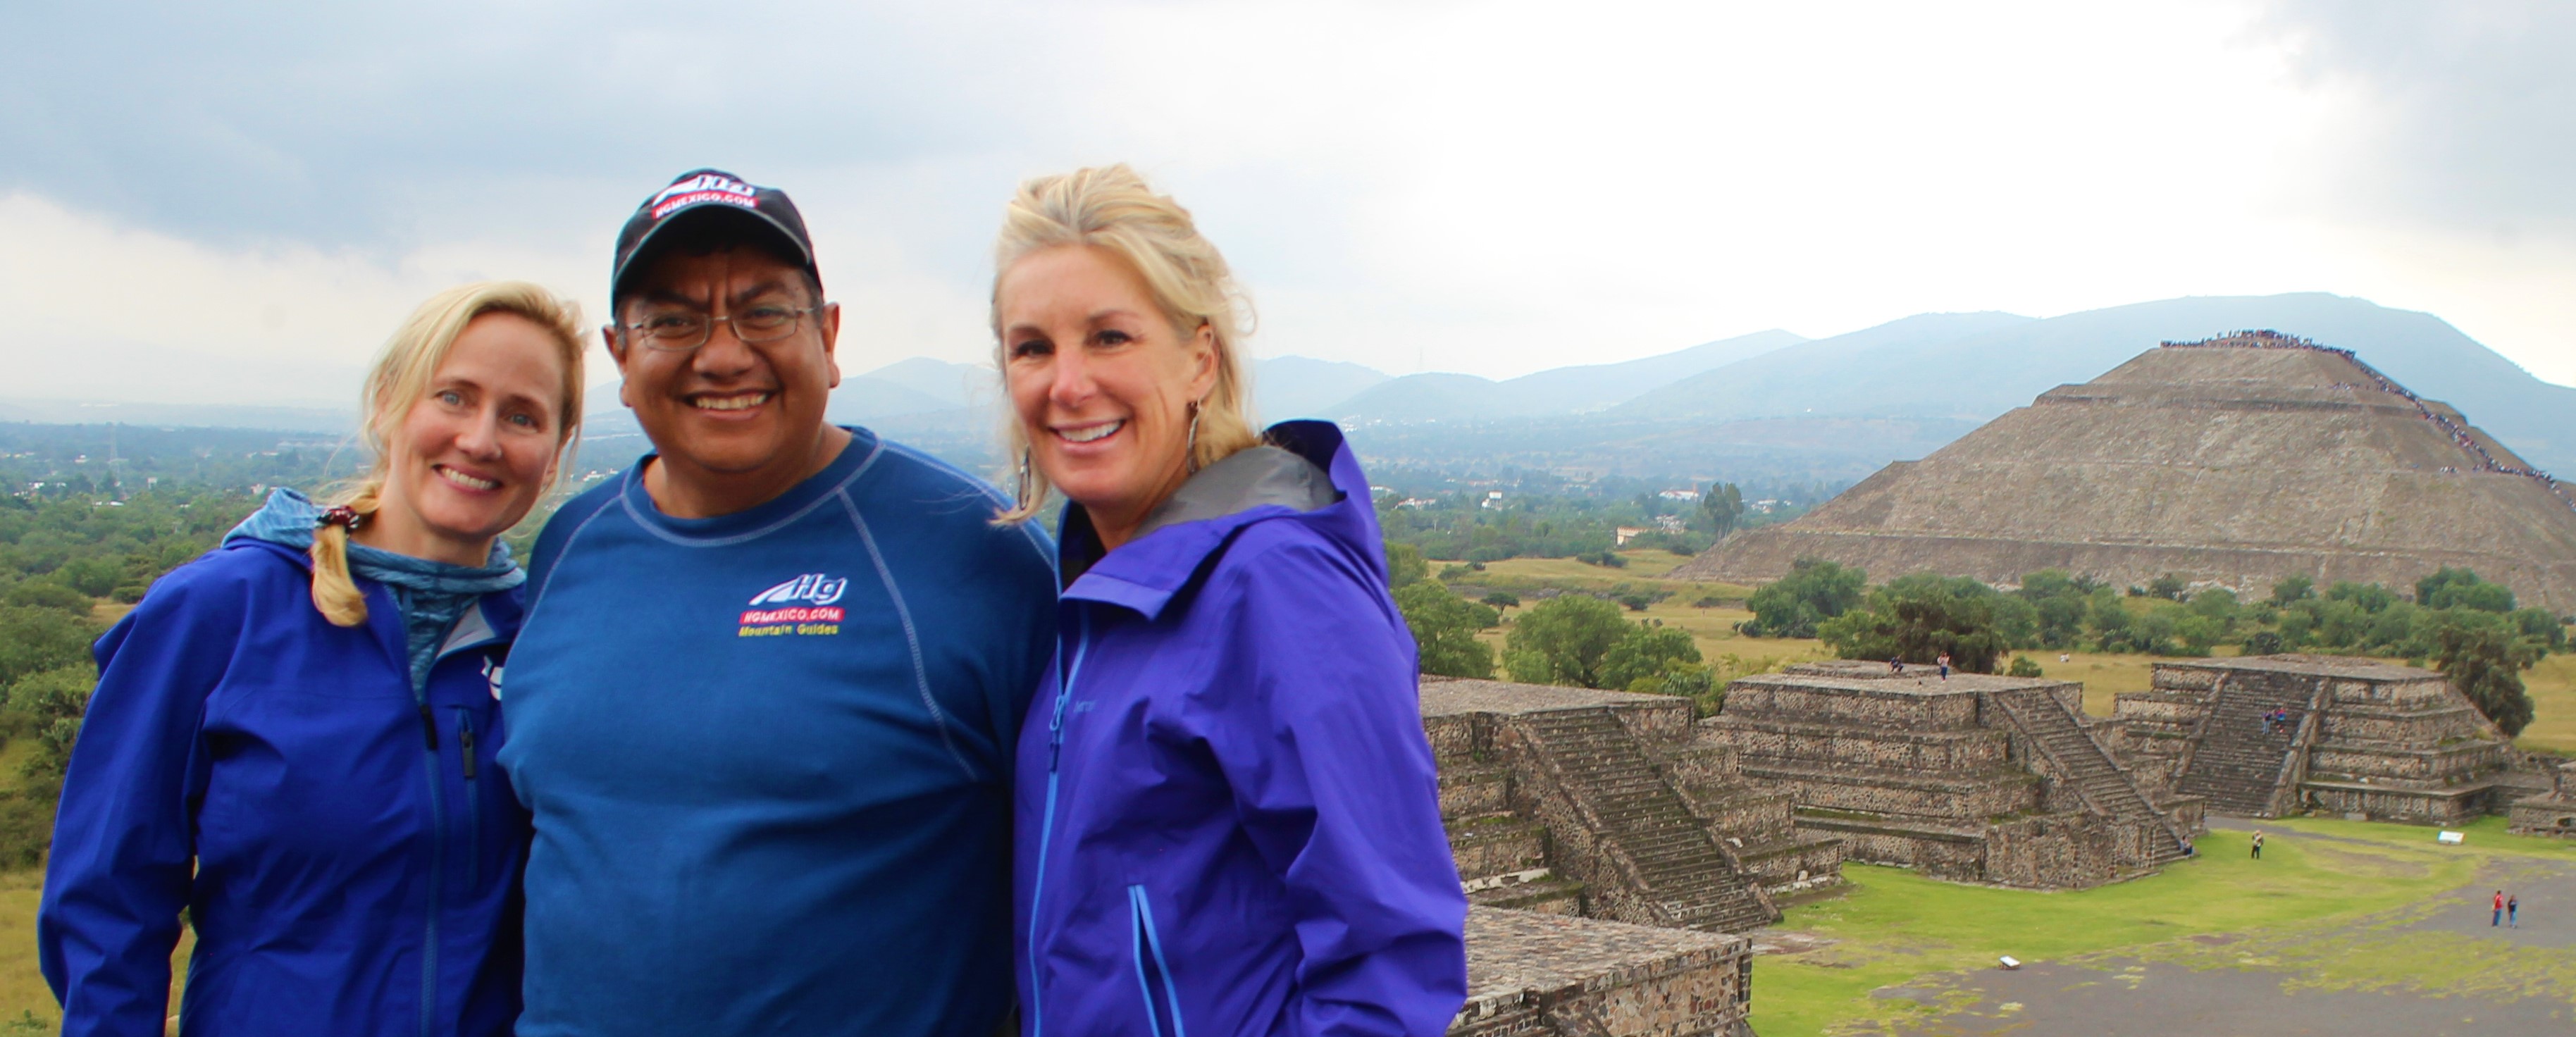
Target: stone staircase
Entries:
(1501, 856)
(1688, 875)
(2234, 761)
(2088, 766)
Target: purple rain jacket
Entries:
(1228, 819)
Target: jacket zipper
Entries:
(437, 857)
(1145, 940)
(1046, 826)
(473, 804)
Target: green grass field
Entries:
(2296, 909)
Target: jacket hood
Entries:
(1305, 474)
(287, 520)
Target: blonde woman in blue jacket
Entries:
(292, 738)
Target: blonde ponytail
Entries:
(334, 592)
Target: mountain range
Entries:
(1770, 398)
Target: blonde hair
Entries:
(1111, 208)
(401, 378)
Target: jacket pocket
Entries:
(1153, 969)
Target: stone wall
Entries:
(1543, 976)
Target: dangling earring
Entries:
(1026, 489)
(1192, 457)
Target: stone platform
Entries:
(2366, 738)
(1609, 805)
(1976, 778)
(1553, 976)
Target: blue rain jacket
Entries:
(1228, 819)
(356, 854)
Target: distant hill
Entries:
(1441, 396)
(952, 385)
(1910, 368)
(1303, 387)
(1818, 376)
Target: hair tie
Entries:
(344, 516)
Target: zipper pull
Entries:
(428, 727)
(465, 739)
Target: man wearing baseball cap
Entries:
(765, 699)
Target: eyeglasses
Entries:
(686, 329)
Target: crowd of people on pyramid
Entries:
(2264, 339)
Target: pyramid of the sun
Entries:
(2234, 461)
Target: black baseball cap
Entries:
(701, 195)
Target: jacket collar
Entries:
(493, 617)
(1253, 486)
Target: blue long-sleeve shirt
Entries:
(768, 756)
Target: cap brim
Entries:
(647, 249)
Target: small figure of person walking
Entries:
(1945, 666)
(2512, 907)
(2258, 844)
(2498, 918)
(1896, 665)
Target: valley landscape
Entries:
(1607, 484)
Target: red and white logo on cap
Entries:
(704, 187)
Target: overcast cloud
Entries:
(1494, 188)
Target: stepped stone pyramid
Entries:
(1999, 780)
(2365, 738)
(1608, 851)
(2234, 461)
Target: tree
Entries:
(1721, 508)
(33, 639)
(1646, 657)
(1562, 640)
(2461, 588)
(2486, 662)
(2293, 589)
(2023, 667)
(2169, 586)
(48, 704)
(1444, 628)
(2058, 603)
(1404, 565)
(2541, 626)
(1792, 606)
(1920, 618)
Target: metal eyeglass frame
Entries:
(654, 342)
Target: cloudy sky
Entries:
(263, 190)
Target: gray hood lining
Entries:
(1249, 479)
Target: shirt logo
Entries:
(704, 187)
(812, 588)
(799, 606)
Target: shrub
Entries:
(2023, 667)
(1503, 600)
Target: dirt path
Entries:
(2170, 1001)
